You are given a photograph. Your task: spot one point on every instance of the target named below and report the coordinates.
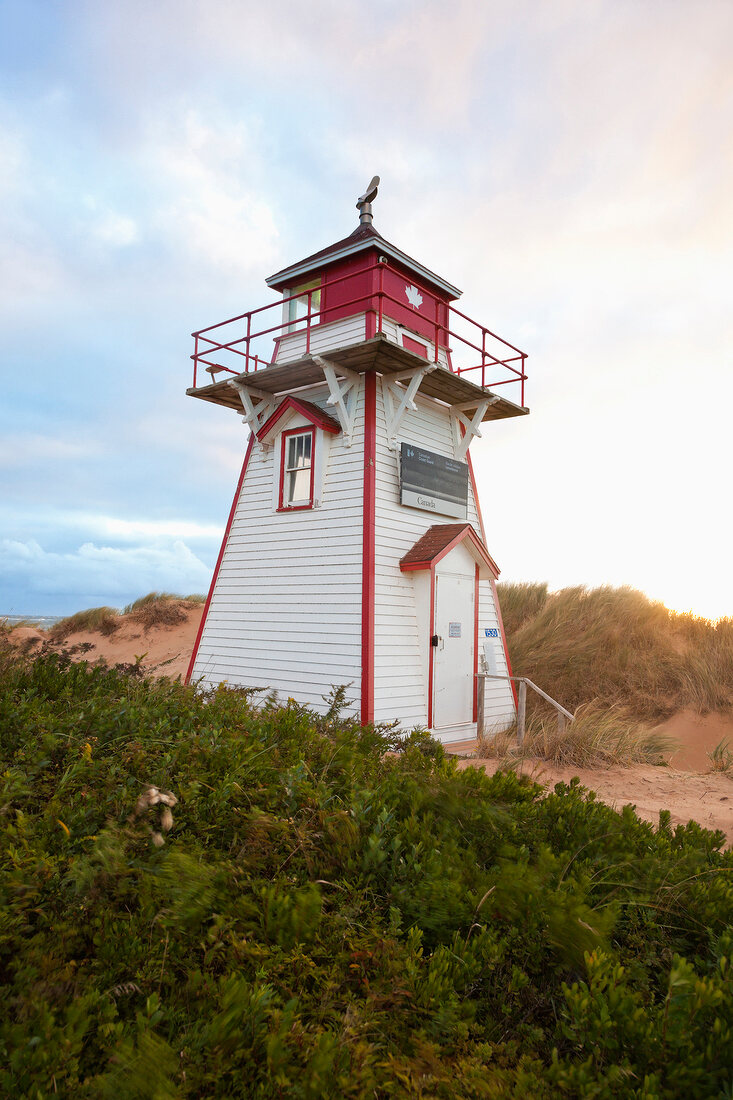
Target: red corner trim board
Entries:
(493, 582)
(368, 551)
(228, 528)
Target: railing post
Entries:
(308, 324)
(523, 374)
(483, 358)
(195, 358)
(437, 328)
(380, 293)
(247, 339)
(521, 712)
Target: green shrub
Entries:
(336, 912)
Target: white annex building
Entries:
(355, 552)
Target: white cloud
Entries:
(207, 207)
(33, 576)
(24, 451)
(116, 230)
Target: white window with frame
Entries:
(297, 469)
(295, 305)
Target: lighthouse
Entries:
(355, 552)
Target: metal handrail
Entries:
(563, 716)
(376, 297)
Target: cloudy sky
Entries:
(568, 163)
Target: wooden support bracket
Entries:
(472, 427)
(399, 398)
(342, 388)
(255, 415)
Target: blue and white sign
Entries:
(491, 632)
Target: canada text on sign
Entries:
(432, 482)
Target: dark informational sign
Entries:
(432, 482)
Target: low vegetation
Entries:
(615, 647)
(296, 912)
(598, 738)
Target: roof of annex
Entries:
(439, 540)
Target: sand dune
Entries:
(688, 788)
(164, 650)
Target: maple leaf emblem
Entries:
(414, 297)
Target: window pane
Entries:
(299, 487)
(299, 452)
(298, 307)
(298, 463)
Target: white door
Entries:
(453, 655)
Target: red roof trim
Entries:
(364, 238)
(307, 409)
(434, 547)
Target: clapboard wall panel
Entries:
(285, 613)
(401, 683)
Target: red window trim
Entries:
(281, 505)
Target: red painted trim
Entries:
(467, 532)
(414, 346)
(219, 560)
(281, 505)
(503, 639)
(475, 645)
(476, 500)
(292, 404)
(431, 649)
(368, 539)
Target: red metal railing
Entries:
(468, 347)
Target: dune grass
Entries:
(598, 738)
(614, 646)
(95, 620)
(161, 609)
(721, 758)
(151, 610)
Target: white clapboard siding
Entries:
(343, 333)
(285, 613)
(333, 334)
(400, 686)
(499, 706)
(395, 331)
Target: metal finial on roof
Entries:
(364, 202)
